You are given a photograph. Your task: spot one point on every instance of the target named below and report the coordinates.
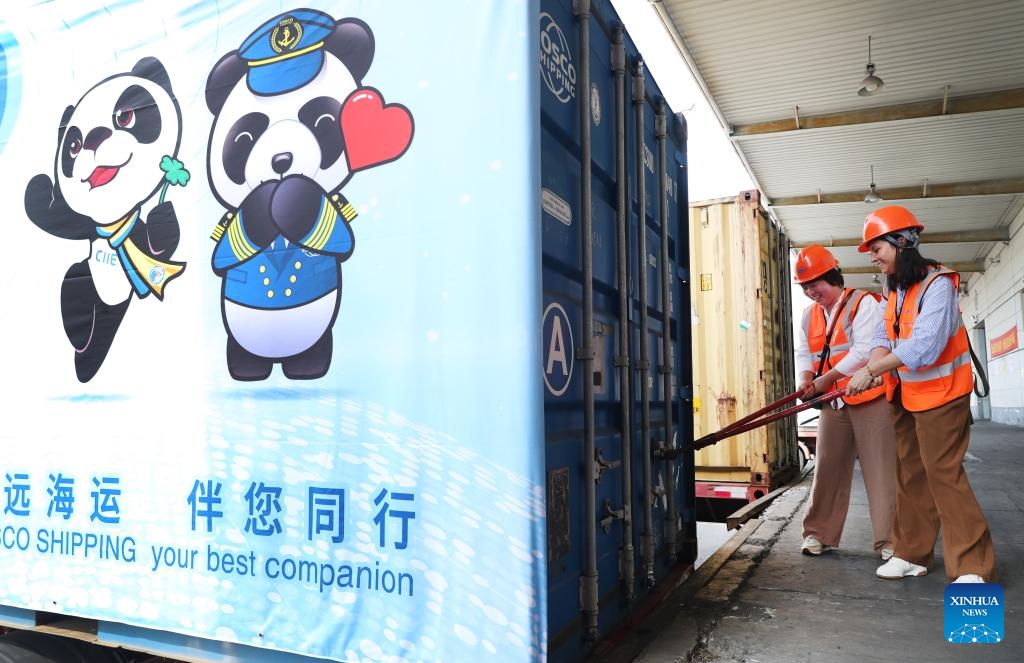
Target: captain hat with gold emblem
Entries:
(286, 52)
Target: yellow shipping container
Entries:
(742, 349)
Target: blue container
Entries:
(643, 517)
(398, 484)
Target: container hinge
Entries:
(658, 490)
(610, 515)
(638, 83)
(618, 51)
(601, 465)
(585, 353)
(684, 274)
(627, 562)
(665, 370)
(680, 128)
(588, 590)
(619, 361)
(643, 365)
(660, 123)
(671, 537)
(686, 393)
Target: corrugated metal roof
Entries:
(960, 148)
(758, 60)
(762, 58)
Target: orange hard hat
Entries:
(885, 220)
(812, 262)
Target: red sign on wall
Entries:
(1003, 343)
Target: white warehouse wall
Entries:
(992, 306)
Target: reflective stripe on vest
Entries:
(816, 329)
(933, 372)
(950, 376)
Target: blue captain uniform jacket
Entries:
(284, 274)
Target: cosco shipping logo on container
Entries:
(556, 65)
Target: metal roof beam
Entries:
(952, 237)
(966, 266)
(698, 77)
(971, 103)
(986, 188)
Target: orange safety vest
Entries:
(950, 377)
(815, 328)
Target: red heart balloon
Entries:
(374, 132)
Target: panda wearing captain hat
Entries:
(292, 123)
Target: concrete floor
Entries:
(757, 599)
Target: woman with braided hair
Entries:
(921, 342)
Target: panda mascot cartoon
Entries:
(292, 123)
(115, 148)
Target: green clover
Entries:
(174, 173)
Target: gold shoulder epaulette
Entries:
(348, 211)
(222, 225)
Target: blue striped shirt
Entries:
(938, 319)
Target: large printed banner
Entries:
(270, 323)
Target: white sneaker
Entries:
(970, 577)
(897, 568)
(886, 554)
(813, 547)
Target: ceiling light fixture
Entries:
(873, 196)
(871, 83)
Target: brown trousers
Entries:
(933, 491)
(853, 431)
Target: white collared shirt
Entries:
(864, 323)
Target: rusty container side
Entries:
(742, 341)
